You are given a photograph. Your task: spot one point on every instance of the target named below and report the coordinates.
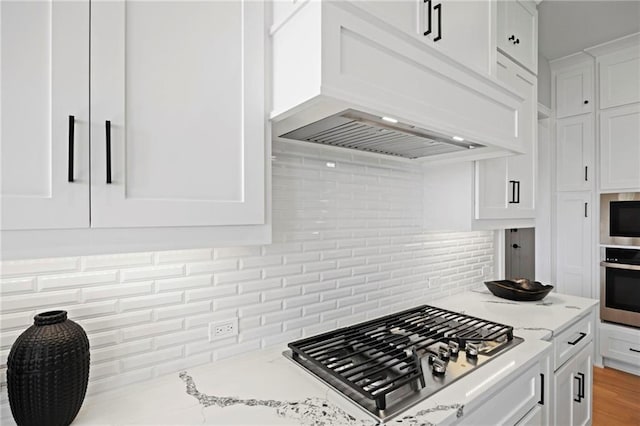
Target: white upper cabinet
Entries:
(182, 88)
(574, 153)
(45, 115)
(459, 29)
(574, 91)
(517, 32)
(619, 77)
(620, 148)
(505, 187)
(177, 114)
(132, 114)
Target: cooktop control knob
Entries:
(472, 350)
(430, 358)
(438, 367)
(454, 348)
(443, 353)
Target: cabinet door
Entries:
(44, 81)
(459, 28)
(181, 85)
(573, 390)
(517, 32)
(574, 243)
(619, 78)
(505, 187)
(574, 153)
(620, 147)
(574, 91)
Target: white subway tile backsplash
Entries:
(180, 256)
(17, 285)
(56, 282)
(39, 266)
(116, 291)
(347, 246)
(185, 310)
(120, 351)
(45, 300)
(115, 321)
(156, 328)
(156, 272)
(117, 261)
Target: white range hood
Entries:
(342, 79)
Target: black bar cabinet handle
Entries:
(107, 126)
(541, 402)
(585, 209)
(634, 350)
(427, 6)
(582, 336)
(72, 126)
(581, 390)
(513, 191)
(438, 7)
(586, 173)
(578, 397)
(518, 192)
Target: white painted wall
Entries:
(348, 246)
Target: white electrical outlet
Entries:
(222, 329)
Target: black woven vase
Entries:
(48, 371)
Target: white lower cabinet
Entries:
(620, 347)
(572, 389)
(533, 417)
(523, 400)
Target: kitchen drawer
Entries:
(511, 403)
(620, 343)
(569, 342)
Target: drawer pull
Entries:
(580, 396)
(581, 390)
(541, 402)
(582, 336)
(72, 122)
(107, 127)
(634, 350)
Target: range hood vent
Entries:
(365, 132)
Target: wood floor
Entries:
(616, 398)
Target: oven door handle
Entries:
(620, 266)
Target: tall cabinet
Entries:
(574, 174)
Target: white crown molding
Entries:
(631, 40)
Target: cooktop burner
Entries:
(391, 363)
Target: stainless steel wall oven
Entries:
(620, 286)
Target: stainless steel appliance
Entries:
(620, 286)
(620, 219)
(391, 363)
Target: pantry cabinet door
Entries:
(178, 90)
(620, 147)
(574, 153)
(574, 264)
(44, 82)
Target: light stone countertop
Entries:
(265, 388)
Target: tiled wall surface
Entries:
(347, 247)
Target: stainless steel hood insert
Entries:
(366, 132)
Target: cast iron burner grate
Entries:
(377, 357)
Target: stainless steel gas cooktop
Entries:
(391, 363)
